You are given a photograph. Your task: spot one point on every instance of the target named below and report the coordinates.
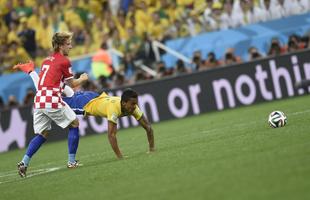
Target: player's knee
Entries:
(75, 123)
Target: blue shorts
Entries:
(79, 100)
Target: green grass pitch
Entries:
(232, 154)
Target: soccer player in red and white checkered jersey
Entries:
(48, 104)
(90, 103)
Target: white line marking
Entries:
(2, 174)
(9, 174)
(42, 171)
(301, 112)
(31, 174)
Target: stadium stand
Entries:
(130, 27)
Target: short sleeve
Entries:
(112, 115)
(137, 113)
(67, 69)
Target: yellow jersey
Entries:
(109, 107)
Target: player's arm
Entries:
(72, 82)
(35, 78)
(149, 132)
(68, 76)
(68, 91)
(112, 130)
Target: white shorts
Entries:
(42, 118)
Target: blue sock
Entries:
(33, 147)
(73, 143)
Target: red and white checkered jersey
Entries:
(54, 71)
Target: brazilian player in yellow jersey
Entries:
(112, 108)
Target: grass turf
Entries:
(232, 154)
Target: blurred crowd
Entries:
(129, 27)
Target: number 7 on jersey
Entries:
(45, 69)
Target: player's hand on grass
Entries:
(151, 150)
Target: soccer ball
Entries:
(277, 119)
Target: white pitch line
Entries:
(9, 174)
(301, 112)
(3, 174)
(43, 171)
(32, 174)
